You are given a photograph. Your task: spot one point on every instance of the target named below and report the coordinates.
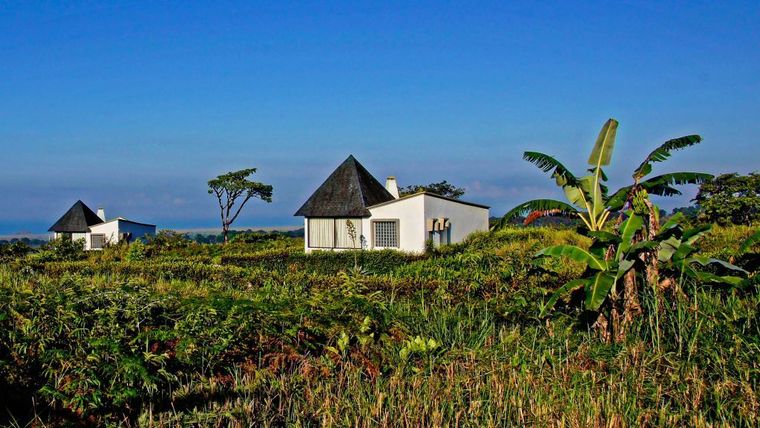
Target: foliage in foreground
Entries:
(453, 338)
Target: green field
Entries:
(176, 333)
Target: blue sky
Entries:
(134, 106)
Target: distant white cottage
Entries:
(80, 222)
(380, 217)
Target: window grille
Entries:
(97, 241)
(386, 234)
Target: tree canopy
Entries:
(233, 186)
(730, 198)
(443, 188)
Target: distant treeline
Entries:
(248, 235)
(26, 241)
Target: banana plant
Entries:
(587, 196)
(603, 273)
(676, 254)
(673, 246)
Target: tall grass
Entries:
(451, 339)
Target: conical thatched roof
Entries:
(347, 192)
(77, 219)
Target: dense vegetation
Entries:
(730, 199)
(177, 333)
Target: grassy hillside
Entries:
(178, 333)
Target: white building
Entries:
(80, 222)
(380, 218)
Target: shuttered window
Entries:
(385, 233)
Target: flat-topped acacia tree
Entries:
(232, 187)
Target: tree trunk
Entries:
(602, 326)
(653, 226)
(225, 231)
(631, 305)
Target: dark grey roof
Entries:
(347, 192)
(77, 219)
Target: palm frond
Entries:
(558, 208)
(663, 152)
(547, 163)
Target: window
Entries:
(97, 240)
(385, 233)
(342, 235)
(334, 233)
(321, 233)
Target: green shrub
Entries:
(322, 262)
(136, 252)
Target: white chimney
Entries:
(102, 214)
(391, 186)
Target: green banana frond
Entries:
(705, 261)
(554, 207)
(562, 291)
(575, 253)
(597, 290)
(601, 173)
(676, 179)
(663, 152)
(547, 163)
(601, 154)
(617, 200)
(752, 240)
(661, 185)
(627, 229)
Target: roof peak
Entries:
(77, 219)
(347, 192)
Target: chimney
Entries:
(102, 214)
(391, 186)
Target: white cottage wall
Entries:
(109, 229)
(137, 230)
(114, 228)
(465, 219)
(410, 213)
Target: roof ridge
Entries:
(347, 192)
(357, 165)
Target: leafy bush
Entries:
(730, 199)
(61, 249)
(322, 262)
(136, 252)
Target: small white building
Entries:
(80, 222)
(380, 218)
